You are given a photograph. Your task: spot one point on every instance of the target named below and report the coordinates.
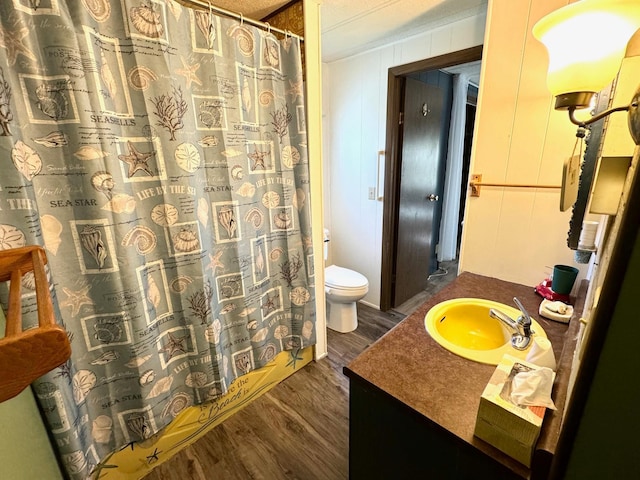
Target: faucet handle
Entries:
(525, 314)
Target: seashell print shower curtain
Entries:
(158, 153)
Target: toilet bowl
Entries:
(343, 288)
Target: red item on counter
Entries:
(544, 290)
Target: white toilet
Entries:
(343, 288)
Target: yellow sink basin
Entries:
(463, 326)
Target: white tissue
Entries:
(533, 388)
(541, 353)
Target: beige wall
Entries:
(517, 234)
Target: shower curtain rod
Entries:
(206, 6)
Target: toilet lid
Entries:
(339, 277)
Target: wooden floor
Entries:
(445, 274)
(298, 430)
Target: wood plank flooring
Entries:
(445, 274)
(299, 429)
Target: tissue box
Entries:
(508, 427)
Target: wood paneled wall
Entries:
(517, 234)
(354, 125)
(290, 17)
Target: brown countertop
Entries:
(411, 367)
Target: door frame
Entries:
(392, 172)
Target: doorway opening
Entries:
(395, 240)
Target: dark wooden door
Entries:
(420, 202)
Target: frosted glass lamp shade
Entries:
(586, 42)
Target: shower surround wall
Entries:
(159, 154)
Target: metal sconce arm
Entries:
(595, 118)
(632, 108)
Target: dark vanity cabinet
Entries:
(388, 440)
(413, 404)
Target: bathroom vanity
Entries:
(413, 404)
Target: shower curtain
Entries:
(158, 153)
(452, 182)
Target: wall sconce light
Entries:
(586, 42)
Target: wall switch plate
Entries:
(372, 193)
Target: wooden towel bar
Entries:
(27, 355)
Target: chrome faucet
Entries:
(521, 327)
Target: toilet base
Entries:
(342, 317)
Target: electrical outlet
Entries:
(372, 193)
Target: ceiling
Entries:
(349, 27)
(256, 9)
(352, 26)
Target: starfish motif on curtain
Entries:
(189, 72)
(295, 90)
(270, 305)
(153, 458)
(174, 346)
(258, 158)
(12, 41)
(97, 472)
(76, 298)
(214, 262)
(130, 444)
(294, 358)
(136, 160)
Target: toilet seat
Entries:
(343, 279)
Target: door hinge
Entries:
(437, 249)
(401, 119)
